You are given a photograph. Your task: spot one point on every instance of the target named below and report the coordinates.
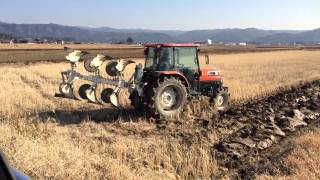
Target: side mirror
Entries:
(207, 59)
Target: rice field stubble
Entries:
(47, 137)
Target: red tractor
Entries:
(172, 75)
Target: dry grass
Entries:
(69, 146)
(304, 160)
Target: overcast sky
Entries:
(166, 14)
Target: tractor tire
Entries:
(88, 67)
(170, 98)
(221, 100)
(111, 68)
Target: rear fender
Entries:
(177, 75)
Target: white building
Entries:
(242, 44)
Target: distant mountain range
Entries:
(112, 35)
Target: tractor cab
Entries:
(167, 57)
(182, 60)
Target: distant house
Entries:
(60, 42)
(242, 44)
(45, 41)
(230, 44)
(13, 41)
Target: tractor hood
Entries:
(210, 74)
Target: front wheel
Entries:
(221, 99)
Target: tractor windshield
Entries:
(166, 59)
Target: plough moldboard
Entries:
(94, 87)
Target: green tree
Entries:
(130, 40)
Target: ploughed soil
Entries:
(256, 136)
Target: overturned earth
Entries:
(255, 137)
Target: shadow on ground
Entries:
(105, 115)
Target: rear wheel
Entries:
(170, 97)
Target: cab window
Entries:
(186, 57)
(151, 58)
(166, 58)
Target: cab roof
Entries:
(172, 45)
